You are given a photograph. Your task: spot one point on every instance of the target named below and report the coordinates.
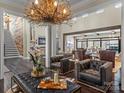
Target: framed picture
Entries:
(41, 40)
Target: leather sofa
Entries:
(56, 58)
(94, 72)
(63, 65)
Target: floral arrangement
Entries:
(35, 54)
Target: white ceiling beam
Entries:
(9, 3)
(16, 7)
(91, 8)
(12, 9)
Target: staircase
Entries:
(10, 50)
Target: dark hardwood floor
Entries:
(19, 65)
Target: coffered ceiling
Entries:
(78, 6)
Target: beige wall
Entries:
(110, 17)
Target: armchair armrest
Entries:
(106, 72)
(80, 66)
(64, 65)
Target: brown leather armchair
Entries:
(80, 54)
(107, 55)
(94, 72)
(63, 65)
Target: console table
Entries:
(29, 84)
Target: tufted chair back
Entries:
(80, 54)
(107, 55)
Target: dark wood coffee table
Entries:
(28, 84)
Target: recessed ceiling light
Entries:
(100, 11)
(118, 5)
(85, 15)
(85, 35)
(97, 34)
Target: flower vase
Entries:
(56, 78)
(36, 73)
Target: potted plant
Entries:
(38, 69)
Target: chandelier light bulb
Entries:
(64, 11)
(7, 19)
(32, 12)
(55, 3)
(36, 2)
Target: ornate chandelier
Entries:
(49, 11)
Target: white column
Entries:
(26, 38)
(48, 46)
(53, 41)
(122, 48)
(1, 44)
(8, 26)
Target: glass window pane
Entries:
(79, 45)
(84, 44)
(114, 45)
(105, 45)
(96, 44)
(69, 43)
(90, 44)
